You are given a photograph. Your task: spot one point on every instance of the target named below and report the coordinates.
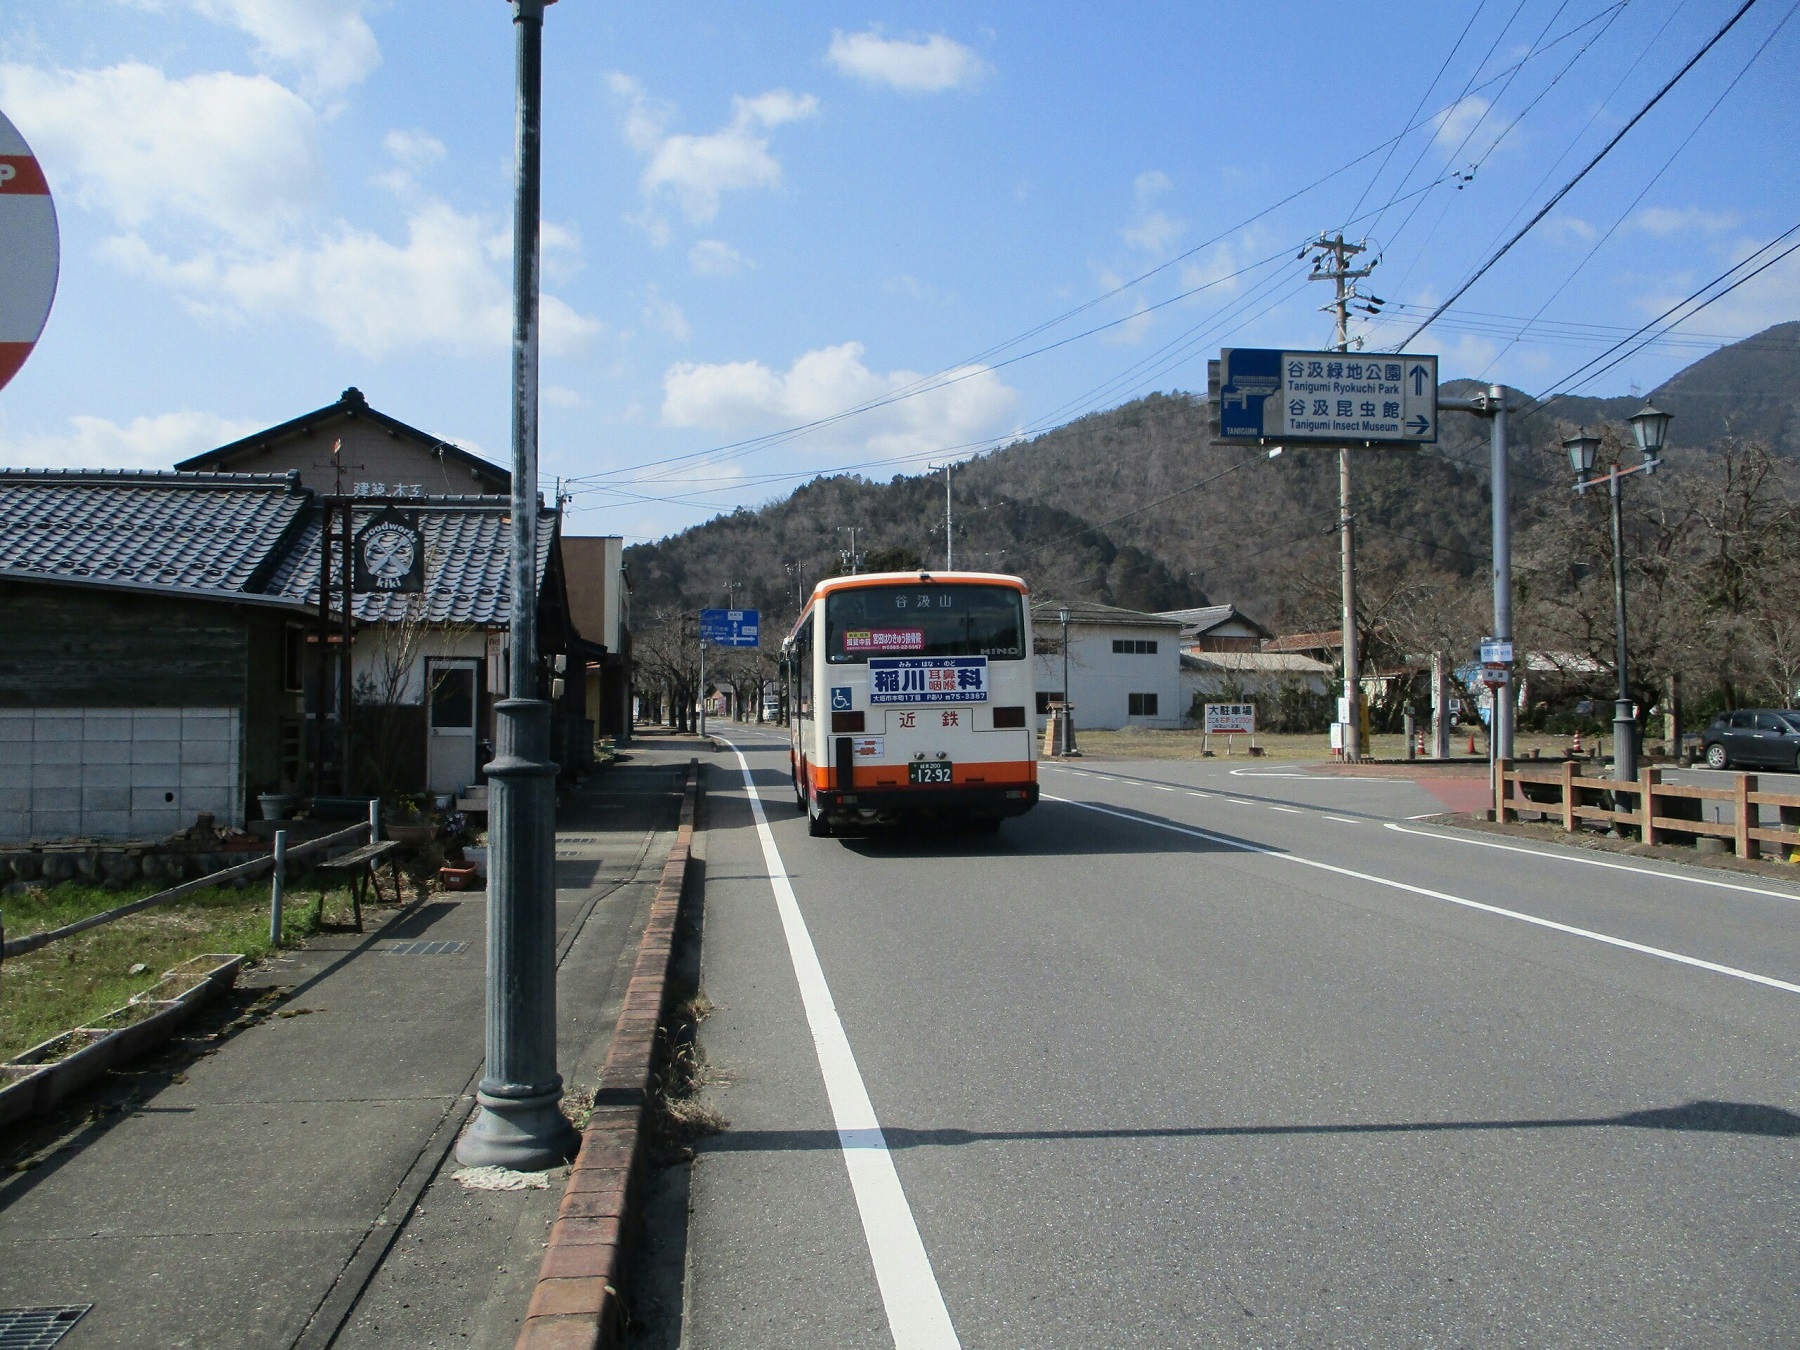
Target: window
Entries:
(1134, 647)
(293, 658)
(926, 619)
(1140, 705)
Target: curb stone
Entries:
(576, 1304)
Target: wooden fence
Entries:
(1660, 811)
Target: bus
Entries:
(911, 697)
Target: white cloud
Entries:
(328, 41)
(1770, 298)
(145, 443)
(415, 149)
(697, 170)
(238, 153)
(665, 316)
(1663, 221)
(745, 396)
(1458, 122)
(714, 258)
(1149, 185)
(926, 65)
(439, 289)
(561, 396)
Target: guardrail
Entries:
(32, 942)
(1650, 807)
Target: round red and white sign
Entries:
(29, 251)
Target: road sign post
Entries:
(725, 628)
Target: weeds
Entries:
(677, 1114)
(69, 983)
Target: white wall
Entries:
(377, 646)
(117, 773)
(1101, 679)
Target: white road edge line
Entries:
(1445, 896)
(1291, 810)
(915, 1307)
(1344, 820)
(1596, 862)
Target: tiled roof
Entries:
(211, 533)
(1211, 616)
(466, 550)
(1327, 639)
(1045, 613)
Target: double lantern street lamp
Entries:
(1650, 428)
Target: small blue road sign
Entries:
(841, 700)
(729, 627)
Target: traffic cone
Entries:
(1575, 750)
(1471, 742)
(1419, 744)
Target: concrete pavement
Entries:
(1200, 1057)
(286, 1189)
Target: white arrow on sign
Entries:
(29, 250)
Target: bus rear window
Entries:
(924, 620)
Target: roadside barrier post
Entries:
(1648, 781)
(277, 888)
(1569, 820)
(374, 820)
(1744, 815)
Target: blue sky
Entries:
(758, 217)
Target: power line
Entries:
(1569, 187)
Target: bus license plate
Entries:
(930, 773)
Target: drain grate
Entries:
(412, 949)
(38, 1328)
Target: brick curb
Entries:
(576, 1303)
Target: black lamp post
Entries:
(1065, 742)
(1650, 428)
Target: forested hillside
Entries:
(1137, 507)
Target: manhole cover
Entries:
(37, 1328)
(412, 949)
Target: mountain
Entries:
(1137, 507)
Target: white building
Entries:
(1258, 675)
(1124, 666)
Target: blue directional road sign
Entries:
(1338, 397)
(729, 627)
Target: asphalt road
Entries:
(1201, 1056)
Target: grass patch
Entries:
(73, 982)
(678, 1114)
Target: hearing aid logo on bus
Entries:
(928, 679)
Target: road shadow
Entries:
(1700, 1117)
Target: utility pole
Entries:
(949, 549)
(850, 559)
(520, 1124)
(1332, 263)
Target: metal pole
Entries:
(1502, 719)
(702, 688)
(949, 548)
(1352, 651)
(345, 669)
(1062, 725)
(1624, 724)
(277, 888)
(520, 1124)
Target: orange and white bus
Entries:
(911, 695)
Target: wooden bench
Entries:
(360, 863)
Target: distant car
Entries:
(1764, 737)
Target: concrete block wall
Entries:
(117, 773)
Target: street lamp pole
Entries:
(520, 1124)
(1650, 428)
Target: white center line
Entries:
(1289, 809)
(915, 1307)
(1239, 844)
(1239, 801)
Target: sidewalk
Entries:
(285, 1189)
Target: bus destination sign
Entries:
(928, 679)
